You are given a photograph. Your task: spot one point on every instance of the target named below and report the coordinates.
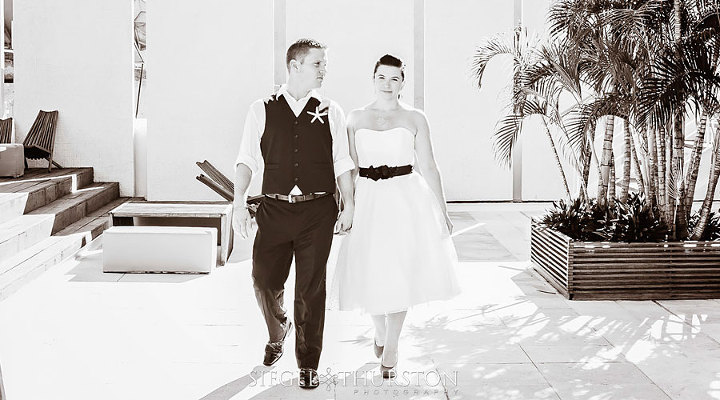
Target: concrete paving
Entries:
(76, 333)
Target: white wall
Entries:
(207, 63)
(462, 118)
(75, 56)
(357, 34)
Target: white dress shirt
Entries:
(251, 155)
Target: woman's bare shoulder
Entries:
(357, 116)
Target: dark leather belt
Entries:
(297, 198)
(384, 172)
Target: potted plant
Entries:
(650, 64)
(596, 251)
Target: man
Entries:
(301, 141)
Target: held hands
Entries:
(344, 221)
(242, 223)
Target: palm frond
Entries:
(487, 50)
(505, 136)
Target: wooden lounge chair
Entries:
(223, 186)
(40, 141)
(6, 130)
(216, 180)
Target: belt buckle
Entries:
(290, 199)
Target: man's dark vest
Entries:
(296, 150)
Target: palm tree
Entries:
(609, 70)
(526, 101)
(685, 74)
(649, 60)
(649, 63)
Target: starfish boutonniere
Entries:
(318, 114)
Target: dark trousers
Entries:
(304, 230)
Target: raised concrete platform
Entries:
(12, 205)
(39, 204)
(23, 232)
(33, 261)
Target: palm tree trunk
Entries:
(680, 218)
(625, 183)
(694, 167)
(662, 194)
(638, 168)
(557, 159)
(587, 158)
(587, 154)
(611, 183)
(710, 194)
(652, 167)
(590, 153)
(678, 166)
(670, 184)
(606, 160)
(641, 157)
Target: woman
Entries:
(399, 252)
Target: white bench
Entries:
(12, 159)
(159, 249)
(215, 214)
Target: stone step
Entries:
(39, 192)
(31, 262)
(44, 187)
(12, 205)
(83, 175)
(23, 232)
(95, 223)
(79, 204)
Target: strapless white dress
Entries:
(399, 252)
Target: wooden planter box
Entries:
(626, 271)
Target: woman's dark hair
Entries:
(391, 61)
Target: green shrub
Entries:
(638, 221)
(578, 219)
(633, 221)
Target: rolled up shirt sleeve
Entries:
(250, 153)
(342, 162)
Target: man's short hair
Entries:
(299, 49)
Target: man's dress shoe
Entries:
(309, 378)
(274, 350)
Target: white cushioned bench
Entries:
(159, 249)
